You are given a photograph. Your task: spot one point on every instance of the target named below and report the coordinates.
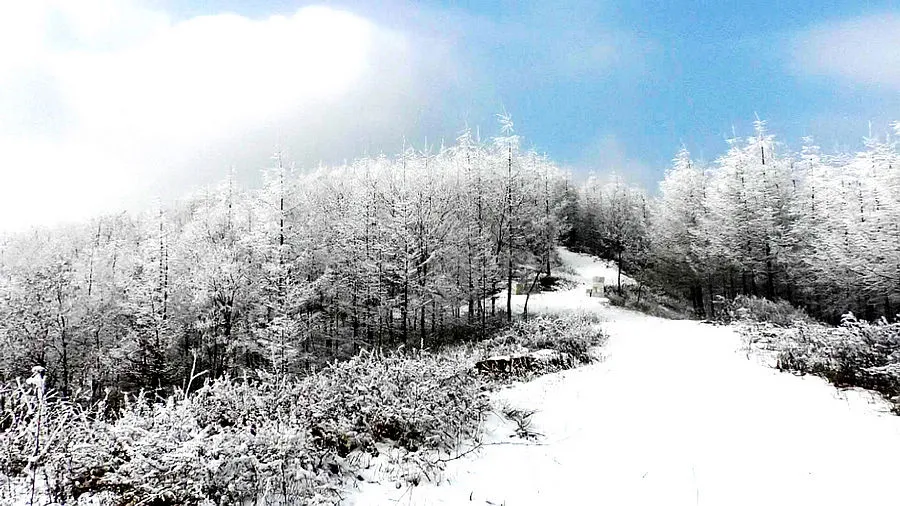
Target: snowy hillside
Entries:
(588, 267)
(585, 268)
(676, 414)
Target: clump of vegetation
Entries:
(556, 283)
(761, 310)
(648, 301)
(257, 438)
(264, 437)
(571, 336)
(421, 401)
(523, 421)
(856, 354)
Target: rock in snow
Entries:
(539, 359)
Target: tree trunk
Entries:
(509, 285)
(697, 296)
(619, 273)
(537, 276)
(509, 237)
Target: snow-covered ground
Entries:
(587, 267)
(676, 414)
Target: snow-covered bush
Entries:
(192, 451)
(759, 309)
(857, 353)
(34, 431)
(573, 334)
(648, 301)
(265, 438)
(428, 401)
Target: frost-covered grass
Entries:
(264, 438)
(648, 301)
(854, 354)
(761, 310)
(259, 438)
(573, 334)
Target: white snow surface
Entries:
(677, 413)
(587, 267)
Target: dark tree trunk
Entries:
(537, 276)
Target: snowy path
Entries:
(677, 414)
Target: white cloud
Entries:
(106, 102)
(862, 50)
(608, 155)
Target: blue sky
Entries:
(113, 103)
(676, 72)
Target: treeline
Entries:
(820, 231)
(427, 247)
(409, 250)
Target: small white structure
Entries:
(597, 287)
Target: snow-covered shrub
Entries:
(265, 439)
(426, 401)
(558, 283)
(648, 301)
(572, 334)
(523, 421)
(759, 309)
(34, 430)
(228, 442)
(857, 353)
(18, 427)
